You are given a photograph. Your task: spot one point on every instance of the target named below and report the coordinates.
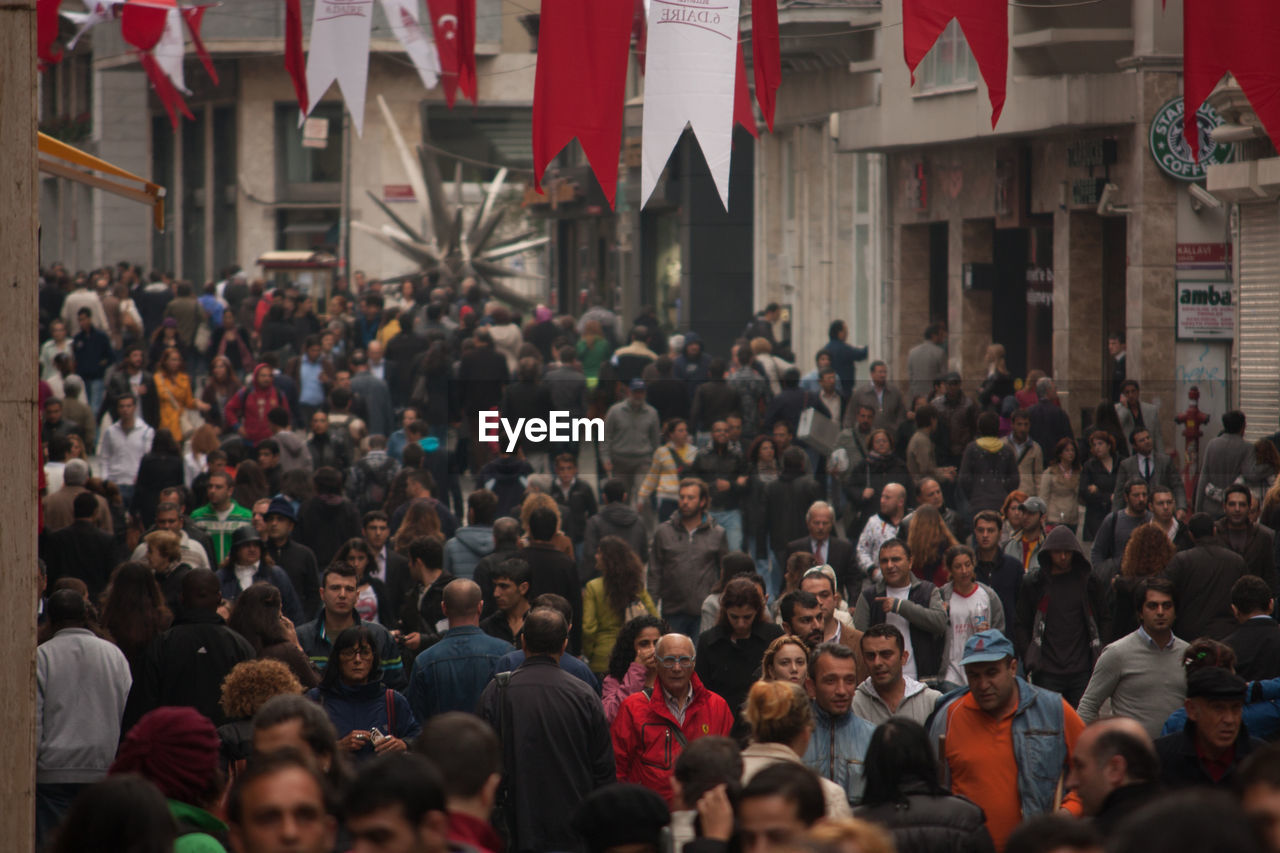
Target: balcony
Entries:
(820, 34)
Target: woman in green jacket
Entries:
(611, 600)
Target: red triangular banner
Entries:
(295, 62)
(766, 56)
(1241, 37)
(142, 23)
(742, 112)
(467, 49)
(169, 96)
(194, 16)
(47, 31)
(580, 86)
(985, 24)
(640, 34)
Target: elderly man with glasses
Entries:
(654, 726)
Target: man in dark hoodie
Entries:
(506, 476)
(616, 518)
(474, 542)
(988, 467)
(327, 519)
(1061, 617)
(787, 500)
(693, 366)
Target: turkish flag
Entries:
(454, 23)
(295, 62)
(1241, 37)
(742, 112)
(579, 89)
(766, 56)
(985, 24)
(142, 22)
(169, 96)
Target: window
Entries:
(948, 65)
(308, 174)
(497, 135)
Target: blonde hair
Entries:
(538, 500)
(761, 346)
(167, 544)
(850, 833)
(778, 711)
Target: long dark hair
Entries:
(624, 648)
(351, 638)
(897, 757)
(740, 592)
(256, 616)
(357, 543)
(622, 571)
(250, 484)
(133, 608)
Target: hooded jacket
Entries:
(325, 522)
(469, 546)
(1033, 600)
(693, 370)
(685, 564)
(917, 703)
(988, 472)
(614, 519)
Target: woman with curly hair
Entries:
(1147, 554)
(247, 688)
(258, 618)
(373, 603)
(1098, 481)
(420, 520)
(729, 654)
(134, 611)
(542, 500)
(1011, 512)
(1060, 485)
(786, 659)
(929, 538)
(612, 600)
(633, 663)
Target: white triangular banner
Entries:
(689, 79)
(99, 11)
(340, 51)
(403, 15)
(171, 49)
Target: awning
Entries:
(58, 158)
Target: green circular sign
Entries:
(1170, 150)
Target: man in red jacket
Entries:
(652, 729)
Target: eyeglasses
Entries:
(671, 662)
(351, 653)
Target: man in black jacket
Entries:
(1257, 641)
(1213, 743)
(576, 500)
(547, 719)
(725, 472)
(1203, 577)
(187, 663)
(296, 559)
(551, 571)
(1114, 771)
(81, 550)
(1254, 542)
(826, 549)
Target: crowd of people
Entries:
(292, 601)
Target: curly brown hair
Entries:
(622, 571)
(251, 683)
(1147, 552)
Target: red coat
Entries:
(645, 746)
(249, 406)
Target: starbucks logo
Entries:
(1170, 149)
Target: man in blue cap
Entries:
(1002, 742)
(297, 560)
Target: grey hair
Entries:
(819, 505)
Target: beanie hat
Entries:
(175, 748)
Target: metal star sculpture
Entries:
(449, 245)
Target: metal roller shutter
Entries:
(1258, 317)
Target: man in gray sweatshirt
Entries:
(82, 683)
(631, 434)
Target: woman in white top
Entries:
(781, 723)
(59, 343)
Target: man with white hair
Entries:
(58, 512)
(826, 548)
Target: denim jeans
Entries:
(731, 521)
(95, 389)
(684, 623)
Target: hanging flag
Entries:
(47, 31)
(171, 50)
(168, 95)
(579, 89)
(742, 112)
(640, 32)
(403, 15)
(766, 56)
(142, 22)
(340, 51)
(194, 16)
(295, 62)
(454, 25)
(1241, 37)
(690, 81)
(985, 24)
(99, 11)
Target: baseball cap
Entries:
(1213, 682)
(281, 507)
(1034, 505)
(986, 647)
(637, 384)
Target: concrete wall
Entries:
(121, 228)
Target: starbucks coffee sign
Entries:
(1170, 149)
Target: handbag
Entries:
(203, 337)
(189, 420)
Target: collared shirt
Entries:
(1142, 632)
(379, 370)
(122, 451)
(677, 707)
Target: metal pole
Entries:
(18, 270)
(344, 213)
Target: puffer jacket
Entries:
(988, 473)
(647, 738)
(615, 519)
(924, 822)
(1032, 605)
(685, 565)
(838, 748)
(469, 546)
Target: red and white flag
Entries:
(340, 51)
(403, 15)
(985, 24)
(454, 24)
(99, 11)
(691, 64)
(171, 50)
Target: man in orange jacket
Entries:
(652, 729)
